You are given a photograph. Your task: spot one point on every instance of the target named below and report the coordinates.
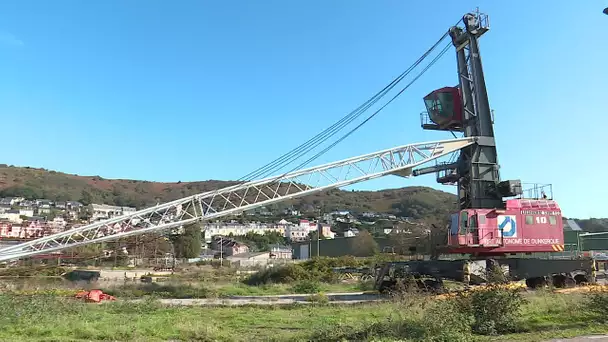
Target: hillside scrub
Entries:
(317, 269)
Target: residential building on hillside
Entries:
(104, 211)
(11, 215)
(297, 233)
(26, 212)
(44, 203)
(212, 229)
(228, 246)
(27, 204)
(25, 230)
(10, 201)
(43, 210)
(301, 231)
(73, 205)
(291, 212)
(281, 252)
(351, 232)
(58, 224)
(370, 215)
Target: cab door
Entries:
(464, 235)
(468, 232)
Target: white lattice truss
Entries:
(245, 196)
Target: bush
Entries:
(46, 271)
(494, 310)
(597, 305)
(307, 286)
(277, 275)
(450, 323)
(317, 269)
(163, 291)
(319, 298)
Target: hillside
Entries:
(416, 202)
(40, 183)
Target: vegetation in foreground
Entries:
(482, 316)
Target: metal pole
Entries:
(173, 252)
(318, 240)
(221, 250)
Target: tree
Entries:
(85, 213)
(364, 244)
(261, 242)
(410, 238)
(188, 243)
(86, 198)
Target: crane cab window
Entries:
(529, 219)
(552, 220)
(464, 219)
(473, 223)
(482, 219)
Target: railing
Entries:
(425, 120)
(536, 191)
(427, 123)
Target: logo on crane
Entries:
(507, 226)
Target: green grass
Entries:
(38, 318)
(550, 315)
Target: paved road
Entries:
(591, 338)
(338, 298)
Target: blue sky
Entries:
(197, 90)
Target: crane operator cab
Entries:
(444, 109)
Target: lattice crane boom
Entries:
(245, 196)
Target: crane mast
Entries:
(466, 109)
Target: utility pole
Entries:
(221, 250)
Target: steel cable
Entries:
(301, 150)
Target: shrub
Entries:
(277, 275)
(366, 285)
(46, 271)
(317, 269)
(495, 310)
(597, 305)
(450, 323)
(319, 298)
(180, 291)
(393, 329)
(307, 286)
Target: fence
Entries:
(261, 263)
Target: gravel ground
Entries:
(337, 298)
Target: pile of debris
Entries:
(95, 296)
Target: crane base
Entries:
(536, 272)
